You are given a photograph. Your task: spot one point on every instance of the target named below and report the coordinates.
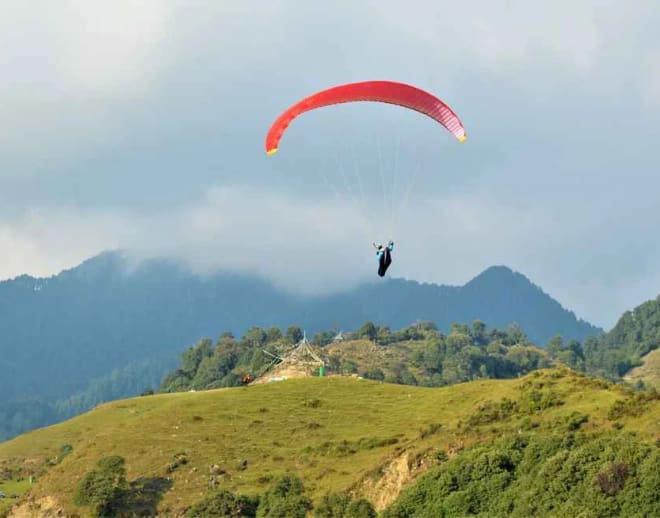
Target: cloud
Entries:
(49, 239)
(301, 244)
(141, 124)
(317, 245)
(65, 68)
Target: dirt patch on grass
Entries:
(45, 507)
(383, 485)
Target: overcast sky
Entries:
(141, 125)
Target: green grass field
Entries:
(336, 433)
(10, 488)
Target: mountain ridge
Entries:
(59, 333)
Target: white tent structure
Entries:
(296, 362)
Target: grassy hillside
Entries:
(336, 433)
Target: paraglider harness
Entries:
(384, 255)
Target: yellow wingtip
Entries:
(271, 151)
(463, 138)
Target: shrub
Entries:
(104, 488)
(575, 421)
(343, 506)
(285, 499)
(225, 504)
(491, 412)
(612, 480)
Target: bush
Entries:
(374, 374)
(342, 506)
(562, 475)
(432, 429)
(65, 449)
(104, 488)
(632, 406)
(285, 499)
(540, 400)
(360, 509)
(491, 412)
(225, 504)
(613, 479)
(575, 421)
(368, 331)
(332, 506)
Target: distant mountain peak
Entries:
(106, 264)
(498, 269)
(500, 277)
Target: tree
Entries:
(273, 334)
(348, 366)
(294, 334)
(105, 488)
(407, 377)
(368, 331)
(285, 499)
(176, 381)
(555, 344)
(255, 337)
(210, 371)
(374, 373)
(324, 338)
(571, 353)
(226, 504)
(515, 335)
(342, 506)
(332, 506)
(456, 341)
(479, 332)
(334, 363)
(191, 358)
(360, 509)
(383, 335)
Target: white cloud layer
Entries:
(314, 245)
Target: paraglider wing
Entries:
(389, 92)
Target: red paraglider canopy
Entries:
(376, 91)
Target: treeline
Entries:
(223, 364)
(29, 412)
(613, 354)
(434, 359)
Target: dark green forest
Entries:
(635, 334)
(465, 353)
(613, 354)
(429, 358)
(29, 412)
